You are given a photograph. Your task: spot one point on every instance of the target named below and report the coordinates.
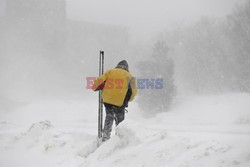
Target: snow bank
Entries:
(199, 131)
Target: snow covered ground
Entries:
(211, 131)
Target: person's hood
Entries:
(123, 65)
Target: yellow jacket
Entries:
(116, 83)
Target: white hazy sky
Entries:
(145, 15)
(2, 7)
(150, 15)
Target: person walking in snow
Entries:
(119, 87)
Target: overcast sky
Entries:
(2, 7)
(145, 15)
(149, 15)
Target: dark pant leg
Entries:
(119, 115)
(108, 123)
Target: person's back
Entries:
(119, 88)
(116, 86)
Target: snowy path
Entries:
(219, 136)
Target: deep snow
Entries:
(212, 131)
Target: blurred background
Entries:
(49, 47)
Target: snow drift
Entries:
(198, 131)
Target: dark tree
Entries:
(239, 34)
(159, 69)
